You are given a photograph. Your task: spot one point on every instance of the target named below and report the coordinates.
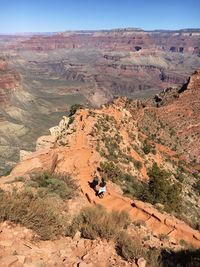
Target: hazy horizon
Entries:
(93, 30)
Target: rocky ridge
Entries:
(72, 148)
(117, 40)
(78, 156)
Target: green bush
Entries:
(74, 108)
(71, 120)
(110, 171)
(148, 148)
(153, 257)
(138, 164)
(130, 185)
(162, 190)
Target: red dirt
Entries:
(81, 160)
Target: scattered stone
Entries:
(141, 262)
(77, 236)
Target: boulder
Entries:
(141, 262)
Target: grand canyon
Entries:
(43, 74)
(121, 104)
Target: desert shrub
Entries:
(162, 190)
(28, 209)
(163, 237)
(110, 171)
(196, 187)
(95, 222)
(153, 257)
(61, 185)
(139, 223)
(183, 243)
(112, 148)
(148, 148)
(128, 248)
(7, 171)
(38, 206)
(197, 226)
(138, 164)
(130, 185)
(180, 177)
(71, 120)
(1, 191)
(74, 108)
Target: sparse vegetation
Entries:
(74, 108)
(196, 187)
(96, 222)
(140, 223)
(61, 185)
(71, 120)
(39, 205)
(163, 237)
(128, 247)
(148, 148)
(162, 190)
(138, 164)
(28, 209)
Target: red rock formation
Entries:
(117, 40)
(183, 115)
(9, 81)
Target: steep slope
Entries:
(74, 148)
(175, 120)
(9, 81)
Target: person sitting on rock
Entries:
(95, 182)
(102, 188)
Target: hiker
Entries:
(102, 188)
(95, 182)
